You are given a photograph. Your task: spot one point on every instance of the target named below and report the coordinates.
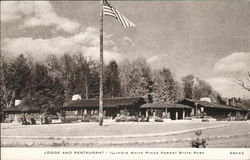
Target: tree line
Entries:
(55, 80)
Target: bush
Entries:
(71, 119)
(157, 119)
(8, 121)
(48, 120)
(205, 120)
(62, 119)
(91, 118)
(87, 118)
(132, 119)
(120, 119)
(188, 118)
(95, 118)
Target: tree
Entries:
(20, 71)
(136, 78)
(188, 83)
(94, 83)
(44, 90)
(67, 74)
(6, 95)
(201, 89)
(82, 73)
(244, 84)
(15, 78)
(125, 69)
(54, 67)
(112, 83)
(166, 88)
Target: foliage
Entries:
(112, 84)
(47, 85)
(15, 78)
(126, 119)
(136, 78)
(245, 84)
(201, 89)
(158, 119)
(166, 88)
(188, 83)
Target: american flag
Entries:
(111, 11)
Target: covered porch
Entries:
(214, 110)
(171, 111)
(112, 107)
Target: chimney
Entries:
(18, 102)
(76, 97)
(206, 99)
(233, 102)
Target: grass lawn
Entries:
(239, 133)
(92, 129)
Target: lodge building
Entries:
(111, 106)
(137, 107)
(218, 111)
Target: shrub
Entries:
(120, 119)
(70, 119)
(95, 118)
(188, 118)
(63, 119)
(132, 119)
(157, 119)
(205, 120)
(86, 118)
(8, 121)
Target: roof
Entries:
(242, 106)
(21, 108)
(107, 102)
(210, 104)
(164, 105)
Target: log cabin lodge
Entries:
(137, 107)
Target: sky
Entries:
(210, 39)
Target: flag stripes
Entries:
(110, 11)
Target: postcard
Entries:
(125, 79)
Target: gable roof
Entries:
(164, 105)
(242, 106)
(21, 108)
(107, 102)
(209, 104)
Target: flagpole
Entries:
(101, 68)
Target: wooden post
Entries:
(146, 113)
(183, 114)
(166, 111)
(176, 115)
(101, 67)
(86, 87)
(154, 113)
(196, 109)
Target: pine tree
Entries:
(136, 78)
(188, 83)
(201, 89)
(166, 89)
(112, 85)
